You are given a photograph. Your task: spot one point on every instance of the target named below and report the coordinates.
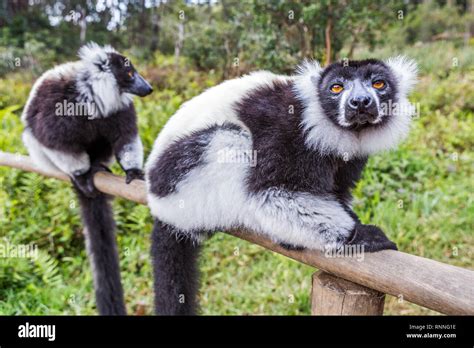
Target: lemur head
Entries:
(109, 78)
(127, 77)
(353, 95)
(356, 108)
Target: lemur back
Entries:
(213, 106)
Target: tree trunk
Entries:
(179, 43)
(351, 49)
(303, 48)
(470, 25)
(327, 36)
(155, 29)
(83, 26)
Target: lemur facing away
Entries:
(77, 117)
(274, 154)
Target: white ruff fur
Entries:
(105, 95)
(213, 196)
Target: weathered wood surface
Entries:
(105, 182)
(432, 284)
(331, 295)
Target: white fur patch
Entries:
(101, 92)
(213, 196)
(94, 54)
(36, 153)
(51, 160)
(342, 110)
(405, 71)
(96, 82)
(131, 155)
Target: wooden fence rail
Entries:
(428, 283)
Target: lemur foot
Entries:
(291, 247)
(372, 238)
(133, 174)
(85, 182)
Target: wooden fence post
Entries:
(332, 295)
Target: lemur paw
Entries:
(291, 247)
(372, 238)
(85, 182)
(133, 174)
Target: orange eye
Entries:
(337, 88)
(130, 73)
(378, 84)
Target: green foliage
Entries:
(229, 36)
(429, 20)
(420, 194)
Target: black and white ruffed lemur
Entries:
(78, 116)
(277, 155)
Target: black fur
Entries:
(121, 68)
(291, 247)
(176, 279)
(100, 137)
(85, 181)
(127, 77)
(97, 216)
(284, 160)
(371, 238)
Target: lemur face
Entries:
(128, 79)
(357, 95)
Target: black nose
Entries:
(360, 102)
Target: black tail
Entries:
(98, 220)
(175, 270)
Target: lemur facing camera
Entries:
(277, 155)
(79, 115)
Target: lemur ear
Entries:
(95, 54)
(406, 72)
(311, 69)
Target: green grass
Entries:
(421, 194)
